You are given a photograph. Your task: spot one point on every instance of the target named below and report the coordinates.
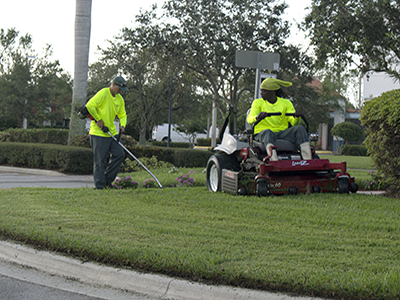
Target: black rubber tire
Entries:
(354, 187)
(262, 187)
(216, 163)
(343, 186)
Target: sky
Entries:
(52, 22)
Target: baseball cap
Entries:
(120, 81)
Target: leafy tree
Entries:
(363, 32)
(33, 87)
(210, 32)
(348, 131)
(141, 54)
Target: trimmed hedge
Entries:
(79, 160)
(355, 150)
(48, 135)
(188, 158)
(65, 159)
(381, 119)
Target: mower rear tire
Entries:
(216, 163)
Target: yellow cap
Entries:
(272, 84)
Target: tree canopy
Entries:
(361, 32)
(32, 86)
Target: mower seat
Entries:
(282, 146)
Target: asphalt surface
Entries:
(11, 177)
(149, 286)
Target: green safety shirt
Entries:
(103, 106)
(274, 123)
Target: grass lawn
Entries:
(328, 245)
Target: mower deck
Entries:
(289, 177)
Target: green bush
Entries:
(48, 136)
(7, 122)
(172, 144)
(46, 156)
(348, 131)
(180, 158)
(206, 142)
(381, 120)
(79, 160)
(355, 150)
(84, 141)
(131, 165)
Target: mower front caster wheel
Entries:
(262, 187)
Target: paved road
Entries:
(22, 177)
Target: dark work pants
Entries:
(296, 134)
(101, 146)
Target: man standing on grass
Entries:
(104, 107)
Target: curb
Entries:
(153, 285)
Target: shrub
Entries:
(7, 122)
(84, 141)
(149, 183)
(375, 183)
(348, 131)
(150, 163)
(186, 180)
(206, 142)
(172, 144)
(381, 120)
(125, 183)
(81, 141)
(46, 156)
(48, 136)
(355, 150)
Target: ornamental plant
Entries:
(125, 183)
(149, 183)
(375, 183)
(186, 180)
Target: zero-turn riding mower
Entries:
(243, 167)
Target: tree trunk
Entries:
(82, 41)
(142, 136)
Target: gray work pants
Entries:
(101, 146)
(296, 134)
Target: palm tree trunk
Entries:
(82, 40)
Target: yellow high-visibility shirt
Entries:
(103, 106)
(274, 123)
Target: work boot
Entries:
(272, 152)
(305, 149)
